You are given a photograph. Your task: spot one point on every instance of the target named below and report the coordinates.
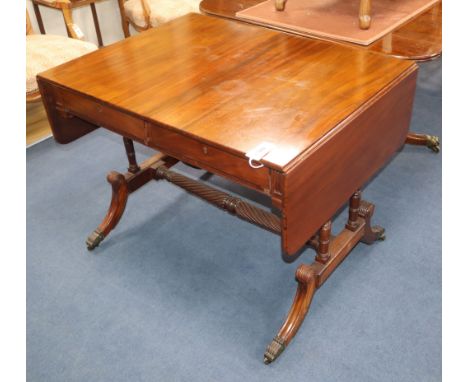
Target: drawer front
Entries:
(209, 158)
(102, 115)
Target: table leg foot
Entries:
(94, 239)
(371, 233)
(430, 141)
(280, 5)
(306, 279)
(115, 211)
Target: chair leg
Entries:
(96, 24)
(37, 11)
(125, 23)
(280, 5)
(67, 16)
(365, 14)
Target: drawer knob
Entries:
(205, 150)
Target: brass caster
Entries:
(94, 239)
(433, 143)
(273, 351)
(280, 5)
(379, 232)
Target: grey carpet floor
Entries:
(181, 291)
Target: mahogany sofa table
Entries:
(207, 91)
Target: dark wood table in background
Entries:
(419, 39)
(206, 91)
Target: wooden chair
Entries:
(364, 12)
(66, 7)
(145, 14)
(47, 51)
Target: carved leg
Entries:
(371, 233)
(305, 277)
(430, 141)
(365, 14)
(280, 5)
(116, 209)
(330, 254)
(123, 185)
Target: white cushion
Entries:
(161, 11)
(46, 51)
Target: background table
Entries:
(420, 39)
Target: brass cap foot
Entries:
(379, 232)
(273, 351)
(280, 5)
(433, 143)
(94, 239)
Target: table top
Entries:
(234, 85)
(418, 39)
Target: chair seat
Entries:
(46, 51)
(161, 11)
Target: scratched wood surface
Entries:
(233, 85)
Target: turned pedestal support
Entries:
(310, 277)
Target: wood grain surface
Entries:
(206, 90)
(231, 85)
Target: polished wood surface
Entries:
(332, 112)
(346, 160)
(208, 91)
(217, 70)
(419, 39)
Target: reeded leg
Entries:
(365, 14)
(280, 5)
(430, 141)
(115, 211)
(305, 277)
